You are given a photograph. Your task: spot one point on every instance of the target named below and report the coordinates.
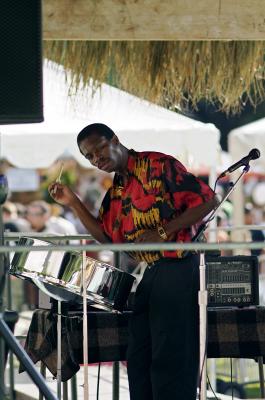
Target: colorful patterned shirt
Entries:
(158, 189)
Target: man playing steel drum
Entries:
(153, 199)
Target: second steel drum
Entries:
(106, 287)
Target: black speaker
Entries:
(20, 62)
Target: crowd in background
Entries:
(252, 216)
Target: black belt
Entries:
(167, 259)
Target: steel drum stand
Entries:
(44, 287)
(59, 349)
(85, 328)
(203, 293)
(54, 289)
(5, 333)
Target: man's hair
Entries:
(99, 129)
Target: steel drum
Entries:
(31, 264)
(59, 274)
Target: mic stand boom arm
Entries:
(203, 294)
(203, 226)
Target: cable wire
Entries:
(99, 364)
(209, 383)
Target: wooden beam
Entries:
(153, 19)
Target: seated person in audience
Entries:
(9, 217)
(252, 235)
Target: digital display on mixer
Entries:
(232, 281)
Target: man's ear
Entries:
(115, 140)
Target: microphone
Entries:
(252, 155)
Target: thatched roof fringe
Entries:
(169, 73)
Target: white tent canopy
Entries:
(240, 142)
(138, 124)
(245, 138)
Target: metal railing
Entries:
(117, 248)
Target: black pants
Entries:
(163, 351)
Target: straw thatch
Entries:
(169, 73)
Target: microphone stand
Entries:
(203, 293)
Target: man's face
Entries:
(102, 153)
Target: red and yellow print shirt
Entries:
(158, 189)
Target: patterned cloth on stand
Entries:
(235, 332)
